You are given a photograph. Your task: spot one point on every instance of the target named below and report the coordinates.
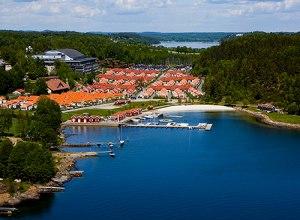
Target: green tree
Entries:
(39, 131)
(31, 162)
(6, 116)
(40, 87)
(49, 113)
(23, 123)
(293, 108)
(5, 150)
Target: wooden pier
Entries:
(200, 126)
(7, 211)
(88, 144)
(76, 173)
(51, 189)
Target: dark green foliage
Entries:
(45, 122)
(5, 150)
(23, 120)
(13, 45)
(39, 131)
(203, 37)
(65, 73)
(40, 87)
(30, 162)
(35, 68)
(11, 80)
(257, 67)
(6, 116)
(134, 38)
(48, 112)
(293, 108)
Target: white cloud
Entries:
(150, 15)
(86, 11)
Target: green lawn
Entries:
(107, 112)
(13, 128)
(292, 119)
(253, 108)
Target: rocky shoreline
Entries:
(266, 120)
(65, 163)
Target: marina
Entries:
(208, 165)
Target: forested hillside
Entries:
(257, 67)
(13, 44)
(203, 37)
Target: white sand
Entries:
(196, 108)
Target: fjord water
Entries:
(238, 170)
(193, 44)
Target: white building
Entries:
(76, 60)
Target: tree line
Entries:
(257, 67)
(17, 48)
(30, 160)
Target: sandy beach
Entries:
(196, 108)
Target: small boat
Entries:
(122, 142)
(110, 144)
(112, 154)
(135, 120)
(171, 124)
(165, 120)
(174, 116)
(149, 116)
(183, 124)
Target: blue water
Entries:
(194, 45)
(238, 170)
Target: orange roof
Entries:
(70, 97)
(67, 98)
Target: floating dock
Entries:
(8, 211)
(76, 173)
(88, 144)
(200, 126)
(50, 189)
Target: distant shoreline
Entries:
(195, 108)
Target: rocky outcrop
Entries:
(65, 163)
(265, 119)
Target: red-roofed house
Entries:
(57, 86)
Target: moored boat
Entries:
(165, 120)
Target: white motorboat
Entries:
(149, 116)
(165, 120)
(135, 120)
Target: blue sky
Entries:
(151, 15)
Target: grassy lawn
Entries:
(292, 119)
(253, 108)
(107, 112)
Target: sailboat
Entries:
(121, 142)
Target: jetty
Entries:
(76, 173)
(51, 189)
(88, 144)
(7, 211)
(200, 126)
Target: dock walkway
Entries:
(88, 144)
(200, 126)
